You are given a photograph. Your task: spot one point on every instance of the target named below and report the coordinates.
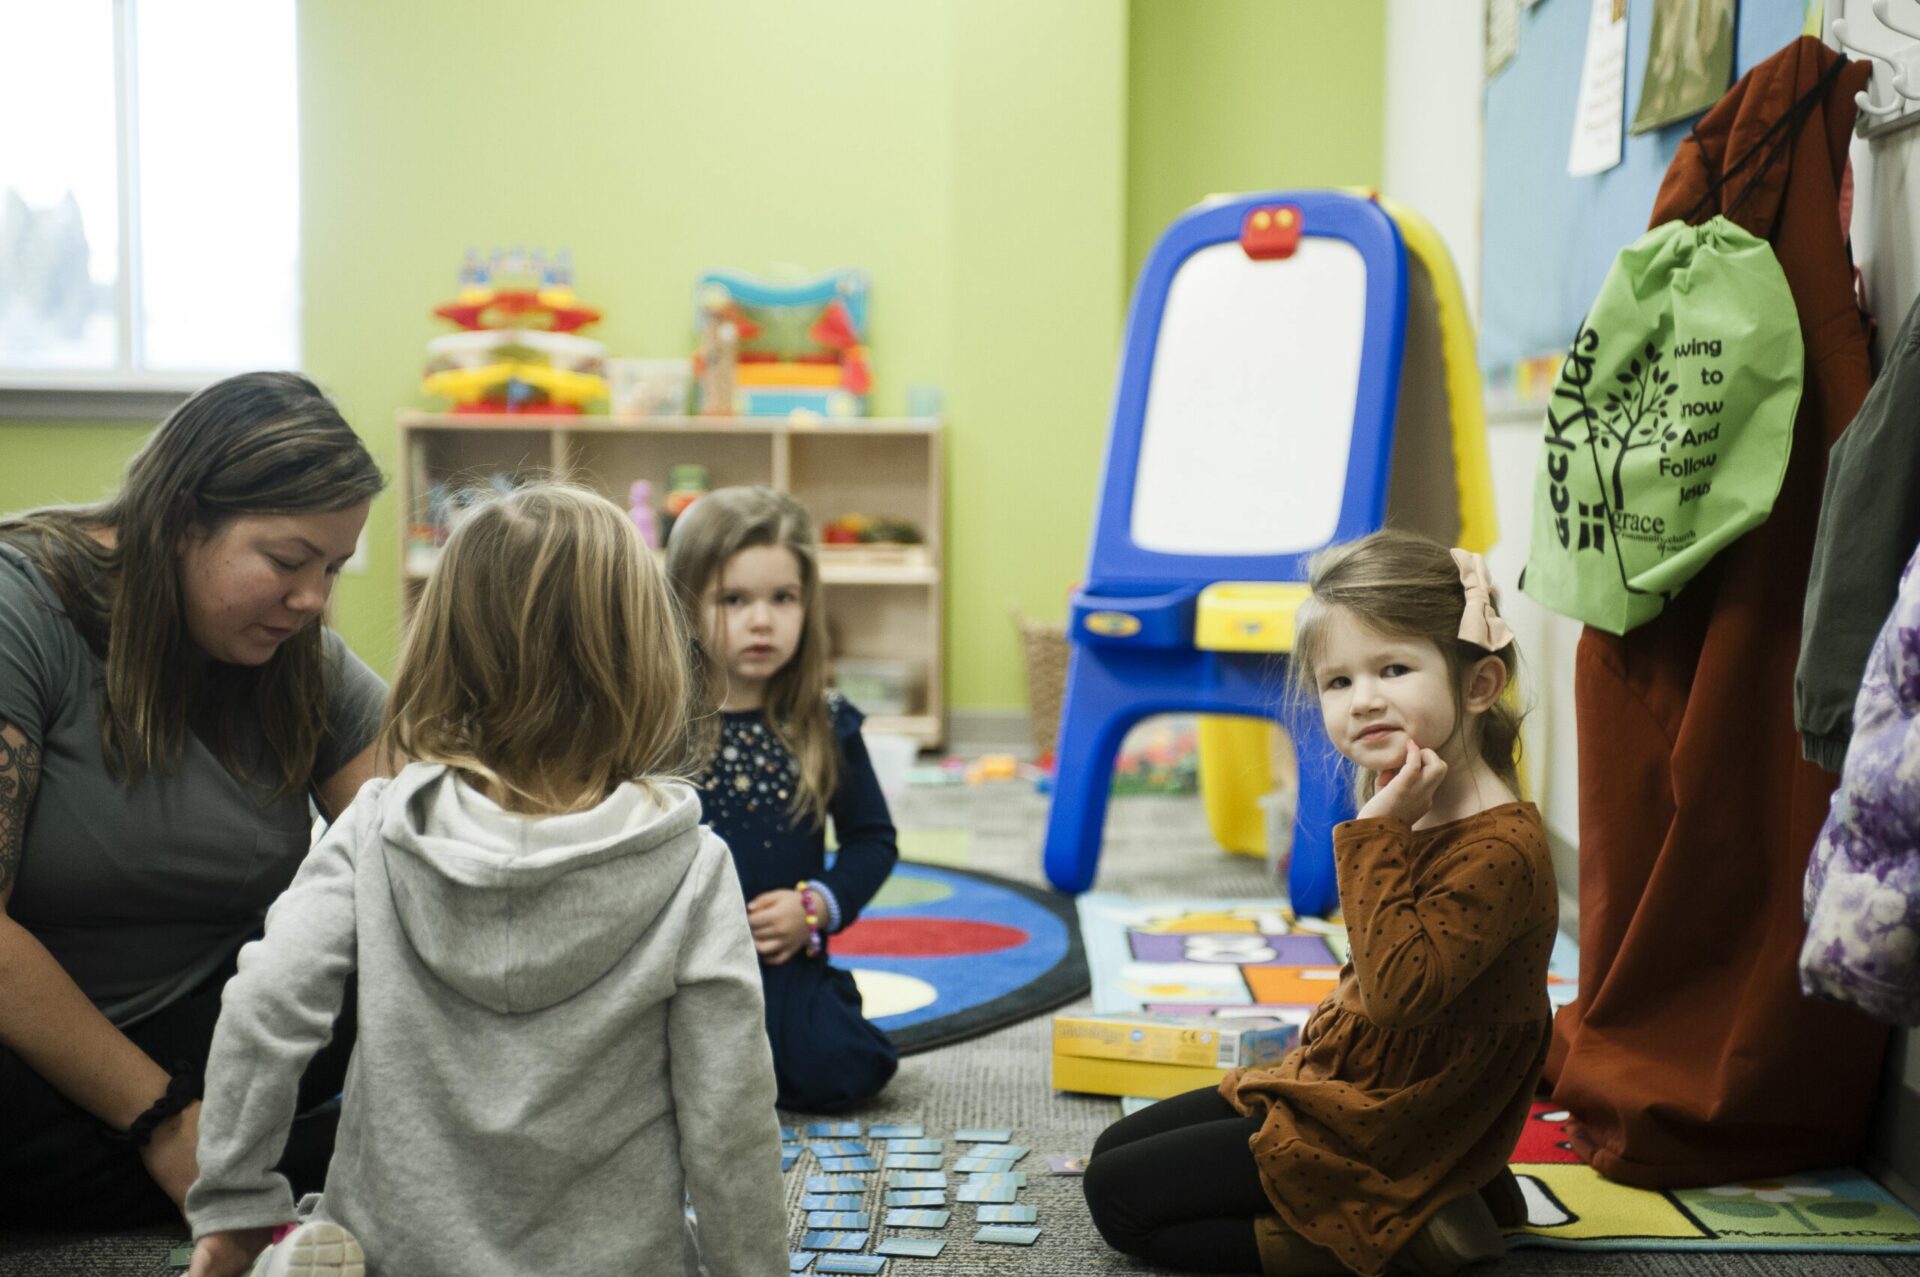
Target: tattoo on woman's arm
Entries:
(19, 777)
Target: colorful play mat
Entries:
(943, 953)
(1228, 957)
(1570, 1206)
(1237, 957)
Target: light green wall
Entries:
(1248, 95)
(998, 167)
(64, 462)
(971, 175)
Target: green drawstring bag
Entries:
(1668, 430)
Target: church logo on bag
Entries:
(1668, 427)
(1642, 410)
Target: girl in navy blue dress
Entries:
(785, 757)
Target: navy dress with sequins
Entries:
(826, 1054)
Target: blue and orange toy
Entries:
(1253, 426)
(771, 348)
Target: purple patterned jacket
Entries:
(1863, 883)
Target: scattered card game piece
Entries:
(834, 1241)
(916, 1179)
(1016, 1178)
(1000, 1193)
(918, 1218)
(180, 1256)
(787, 1137)
(1063, 1165)
(915, 1162)
(833, 1130)
(913, 1146)
(918, 1247)
(798, 1260)
(1008, 1235)
(839, 1148)
(1012, 1152)
(788, 1156)
(839, 1165)
(836, 1184)
(968, 1165)
(985, 1214)
(916, 1197)
(846, 1219)
(983, 1135)
(833, 1201)
(896, 1131)
(850, 1264)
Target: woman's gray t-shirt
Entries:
(142, 889)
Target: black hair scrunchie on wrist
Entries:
(183, 1088)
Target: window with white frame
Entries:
(149, 191)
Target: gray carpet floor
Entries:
(1156, 847)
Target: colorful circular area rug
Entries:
(944, 954)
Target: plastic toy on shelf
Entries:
(519, 349)
(770, 348)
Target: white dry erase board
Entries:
(1249, 412)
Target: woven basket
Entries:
(1045, 649)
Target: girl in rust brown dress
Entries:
(1379, 1142)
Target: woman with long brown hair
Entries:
(171, 711)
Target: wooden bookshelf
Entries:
(883, 602)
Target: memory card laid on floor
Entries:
(850, 1264)
(918, 1247)
(1008, 1235)
(985, 1214)
(916, 1197)
(834, 1241)
(836, 1184)
(918, 1218)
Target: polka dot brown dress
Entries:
(1412, 1080)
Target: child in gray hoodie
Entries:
(559, 1024)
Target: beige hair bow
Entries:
(1479, 623)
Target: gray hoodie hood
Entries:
(519, 913)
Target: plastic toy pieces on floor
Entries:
(835, 1228)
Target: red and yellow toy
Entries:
(519, 350)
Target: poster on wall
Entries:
(1503, 33)
(1689, 61)
(1598, 118)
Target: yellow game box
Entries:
(1134, 1053)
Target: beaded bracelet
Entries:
(182, 1090)
(810, 905)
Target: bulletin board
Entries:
(1548, 238)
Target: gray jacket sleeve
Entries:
(1869, 524)
(721, 1069)
(275, 1013)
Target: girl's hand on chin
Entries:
(1406, 792)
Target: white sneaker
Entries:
(316, 1249)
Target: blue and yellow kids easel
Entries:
(1254, 425)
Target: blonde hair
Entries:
(261, 443)
(1405, 585)
(545, 658)
(704, 540)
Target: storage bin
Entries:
(877, 686)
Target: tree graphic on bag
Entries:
(1668, 430)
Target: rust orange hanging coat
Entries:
(1691, 1057)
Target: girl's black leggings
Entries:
(1176, 1185)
